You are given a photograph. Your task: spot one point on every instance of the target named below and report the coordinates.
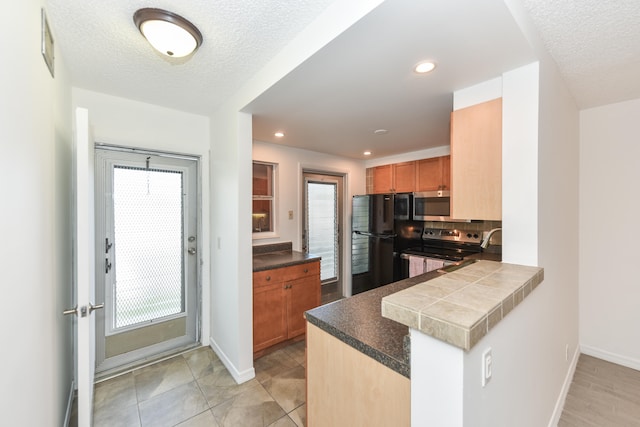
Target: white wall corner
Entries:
(562, 397)
(238, 375)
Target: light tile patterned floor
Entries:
(195, 389)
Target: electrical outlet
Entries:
(487, 366)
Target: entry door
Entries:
(146, 255)
(83, 269)
(322, 226)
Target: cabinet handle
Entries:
(268, 278)
(306, 270)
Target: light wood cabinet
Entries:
(280, 298)
(433, 174)
(348, 388)
(476, 161)
(392, 178)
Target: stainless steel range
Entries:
(439, 248)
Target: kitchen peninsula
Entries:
(359, 357)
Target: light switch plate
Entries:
(290, 214)
(487, 366)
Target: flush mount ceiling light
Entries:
(279, 134)
(168, 33)
(424, 67)
(367, 153)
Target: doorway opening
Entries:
(322, 228)
(147, 256)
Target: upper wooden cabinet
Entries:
(476, 161)
(393, 178)
(433, 174)
(406, 177)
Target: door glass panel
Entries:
(322, 222)
(148, 227)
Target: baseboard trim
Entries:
(557, 410)
(618, 359)
(67, 415)
(238, 376)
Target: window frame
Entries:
(273, 199)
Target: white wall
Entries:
(124, 122)
(35, 133)
(291, 162)
(531, 370)
(609, 212)
(231, 156)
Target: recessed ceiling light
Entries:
(380, 131)
(168, 33)
(424, 67)
(279, 134)
(367, 153)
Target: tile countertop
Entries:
(461, 307)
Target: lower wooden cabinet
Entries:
(280, 298)
(348, 388)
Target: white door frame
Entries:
(110, 154)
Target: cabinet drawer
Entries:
(301, 271)
(267, 277)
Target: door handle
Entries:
(69, 311)
(84, 310)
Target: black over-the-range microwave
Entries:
(422, 206)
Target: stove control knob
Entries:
(468, 235)
(475, 236)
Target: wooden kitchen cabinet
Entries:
(280, 298)
(476, 161)
(345, 387)
(433, 174)
(392, 178)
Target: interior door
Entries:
(84, 267)
(147, 256)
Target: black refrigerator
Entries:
(372, 241)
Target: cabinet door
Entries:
(446, 172)
(404, 175)
(476, 161)
(429, 174)
(269, 315)
(382, 179)
(302, 295)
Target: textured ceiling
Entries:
(596, 44)
(105, 52)
(360, 81)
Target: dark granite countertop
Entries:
(271, 260)
(358, 322)
(276, 255)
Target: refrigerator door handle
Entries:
(377, 236)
